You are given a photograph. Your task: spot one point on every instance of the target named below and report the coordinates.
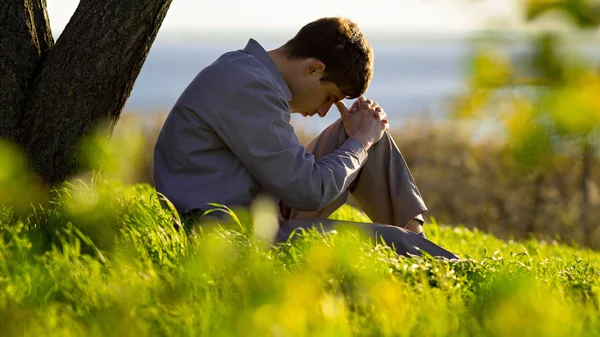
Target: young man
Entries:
(228, 138)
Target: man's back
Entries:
(192, 164)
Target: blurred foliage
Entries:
(101, 258)
(556, 92)
(546, 102)
(582, 13)
(488, 185)
(118, 158)
(153, 279)
(19, 189)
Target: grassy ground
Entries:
(108, 261)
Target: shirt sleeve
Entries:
(254, 124)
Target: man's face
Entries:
(311, 96)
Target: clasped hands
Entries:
(365, 121)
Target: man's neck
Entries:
(283, 64)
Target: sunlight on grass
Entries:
(111, 263)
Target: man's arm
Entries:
(254, 124)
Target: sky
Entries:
(287, 16)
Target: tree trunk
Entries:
(81, 85)
(25, 40)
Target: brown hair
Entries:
(340, 45)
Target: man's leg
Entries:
(403, 242)
(384, 188)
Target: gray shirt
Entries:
(228, 138)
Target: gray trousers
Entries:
(384, 189)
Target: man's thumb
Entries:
(342, 108)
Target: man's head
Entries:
(327, 61)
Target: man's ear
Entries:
(315, 68)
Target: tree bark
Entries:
(81, 85)
(25, 41)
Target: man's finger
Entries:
(354, 106)
(342, 108)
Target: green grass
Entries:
(107, 261)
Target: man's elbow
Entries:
(316, 200)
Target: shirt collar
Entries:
(255, 49)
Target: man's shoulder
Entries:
(234, 78)
(235, 70)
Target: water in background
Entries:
(411, 79)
